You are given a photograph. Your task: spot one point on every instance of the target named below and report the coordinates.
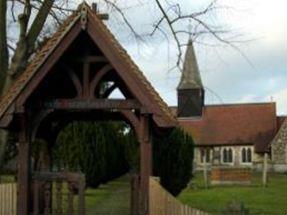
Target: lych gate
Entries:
(71, 78)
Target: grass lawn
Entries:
(7, 179)
(271, 200)
(112, 198)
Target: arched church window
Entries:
(202, 155)
(230, 158)
(246, 155)
(225, 155)
(249, 155)
(243, 155)
(206, 153)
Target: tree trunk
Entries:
(3, 141)
(3, 44)
(24, 49)
(27, 40)
(38, 24)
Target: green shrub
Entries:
(172, 159)
(96, 149)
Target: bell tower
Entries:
(190, 91)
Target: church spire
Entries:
(190, 77)
(190, 91)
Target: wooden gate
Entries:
(163, 203)
(54, 193)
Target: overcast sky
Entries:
(227, 76)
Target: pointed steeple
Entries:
(190, 77)
(190, 91)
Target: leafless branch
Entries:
(12, 11)
(209, 8)
(11, 47)
(125, 19)
(168, 20)
(214, 93)
(222, 40)
(52, 12)
(201, 32)
(56, 12)
(156, 26)
(200, 27)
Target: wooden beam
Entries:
(124, 70)
(88, 104)
(96, 59)
(123, 87)
(75, 79)
(99, 75)
(86, 80)
(6, 120)
(108, 91)
(37, 120)
(103, 16)
(145, 162)
(133, 120)
(23, 168)
(90, 59)
(49, 63)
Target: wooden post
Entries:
(264, 171)
(23, 168)
(45, 166)
(86, 80)
(134, 194)
(205, 170)
(145, 164)
(82, 185)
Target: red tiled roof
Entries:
(39, 58)
(234, 124)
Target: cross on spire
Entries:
(84, 7)
(103, 16)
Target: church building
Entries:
(225, 134)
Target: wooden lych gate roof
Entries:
(84, 19)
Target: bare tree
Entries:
(13, 61)
(172, 22)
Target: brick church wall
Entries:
(230, 176)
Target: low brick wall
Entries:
(230, 176)
(281, 168)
